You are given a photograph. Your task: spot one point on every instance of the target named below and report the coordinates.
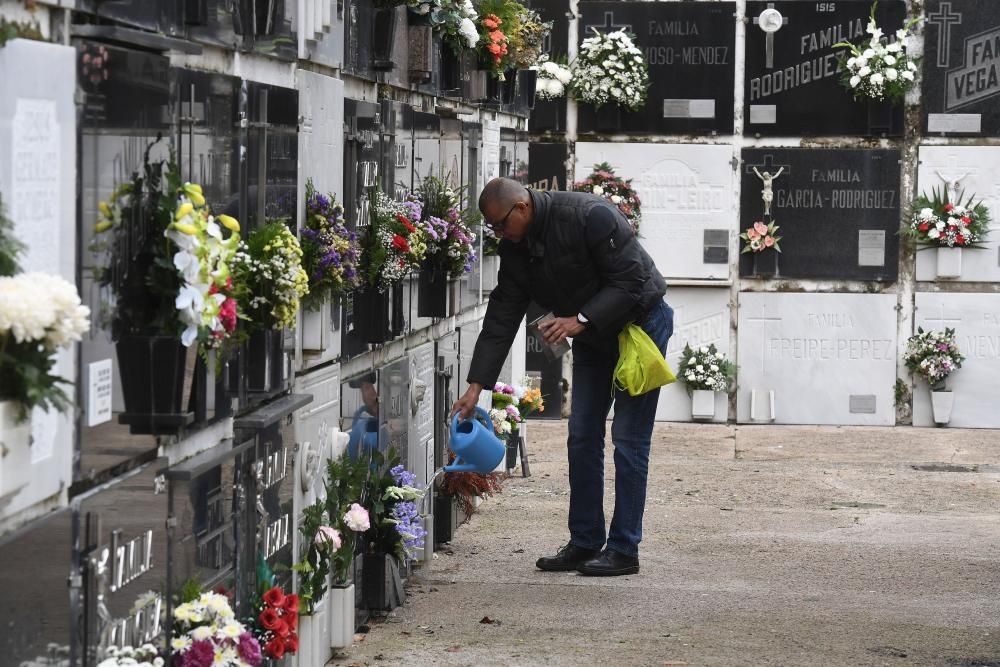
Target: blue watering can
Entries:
(476, 447)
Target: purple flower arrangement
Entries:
(330, 252)
(450, 241)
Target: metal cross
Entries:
(765, 321)
(609, 24)
(944, 19)
(769, 38)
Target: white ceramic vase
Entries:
(340, 600)
(702, 404)
(942, 403)
(949, 262)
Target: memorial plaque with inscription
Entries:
(689, 47)
(547, 166)
(961, 68)
(791, 81)
(687, 199)
(827, 358)
(976, 320)
(838, 210)
(970, 170)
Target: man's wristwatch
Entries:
(582, 319)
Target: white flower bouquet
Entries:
(933, 355)
(706, 368)
(456, 20)
(142, 656)
(938, 222)
(270, 277)
(610, 69)
(878, 71)
(553, 78)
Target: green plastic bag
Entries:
(641, 367)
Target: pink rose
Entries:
(357, 518)
(327, 536)
(760, 228)
(768, 241)
(752, 234)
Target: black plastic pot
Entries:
(265, 367)
(370, 315)
(382, 585)
(432, 292)
(447, 518)
(765, 263)
(152, 370)
(383, 38)
(421, 53)
(527, 81)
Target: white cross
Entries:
(768, 23)
(943, 321)
(765, 321)
(944, 19)
(951, 178)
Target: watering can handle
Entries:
(456, 420)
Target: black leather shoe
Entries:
(610, 564)
(567, 559)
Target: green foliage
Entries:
(901, 393)
(10, 247)
(315, 564)
(345, 483)
(13, 29)
(190, 590)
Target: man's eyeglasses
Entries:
(498, 226)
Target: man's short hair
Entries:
(507, 191)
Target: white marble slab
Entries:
(420, 412)
(975, 168)
(685, 189)
(976, 320)
(701, 317)
(828, 358)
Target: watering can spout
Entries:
(476, 447)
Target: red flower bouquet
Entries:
(276, 622)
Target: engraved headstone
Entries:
(547, 166)
(837, 211)
(793, 344)
(690, 50)
(791, 81)
(961, 68)
(965, 171)
(701, 317)
(976, 320)
(685, 191)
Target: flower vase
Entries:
(452, 71)
(382, 585)
(508, 87)
(949, 262)
(446, 518)
(152, 370)
(493, 89)
(341, 615)
(512, 441)
(265, 363)
(702, 404)
(15, 449)
(314, 635)
(421, 53)
(765, 264)
(432, 292)
(370, 315)
(317, 327)
(608, 118)
(383, 38)
(548, 116)
(942, 402)
(474, 84)
(527, 81)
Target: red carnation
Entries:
(960, 240)
(274, 597)
(924, 226)
(275, 648)
(269, 619)
(406, 223)
(399, 243)
(227, 314)
(966, 220)
(292, 643)
(948, 208)
(291, 605)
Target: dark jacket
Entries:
(579, 256)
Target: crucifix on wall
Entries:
(767, 171)
(770, 21)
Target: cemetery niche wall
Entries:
(550, 115)
(688, 205)
(837, 210)
(961, 68)
(791, 83)
(690, 50)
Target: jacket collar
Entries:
(536, 233)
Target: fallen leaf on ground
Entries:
(487, 620)
(453, 649)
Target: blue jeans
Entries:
(631, 430)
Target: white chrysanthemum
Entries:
(891, 74)
(467, 29)
(202, 632)
(181, 643)
(855, 80)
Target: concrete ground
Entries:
(763, 545)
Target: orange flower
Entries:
(493, 48)
(492, 22)
(497, 36)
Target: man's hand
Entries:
(559, 329)
(466, 405)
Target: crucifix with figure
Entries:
(952, 178)
(765, 172)
(770, 21)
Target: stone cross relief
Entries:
(770, 21)
(767, 194)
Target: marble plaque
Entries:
(690, 50)
(547, 166)
(973, 169)
(685, 189)
(961, 67)
(791, 81)
(976, 320)
(701, 317)
(420, 412)
(825, 356)
(837, 210)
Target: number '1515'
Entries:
(826, 6)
